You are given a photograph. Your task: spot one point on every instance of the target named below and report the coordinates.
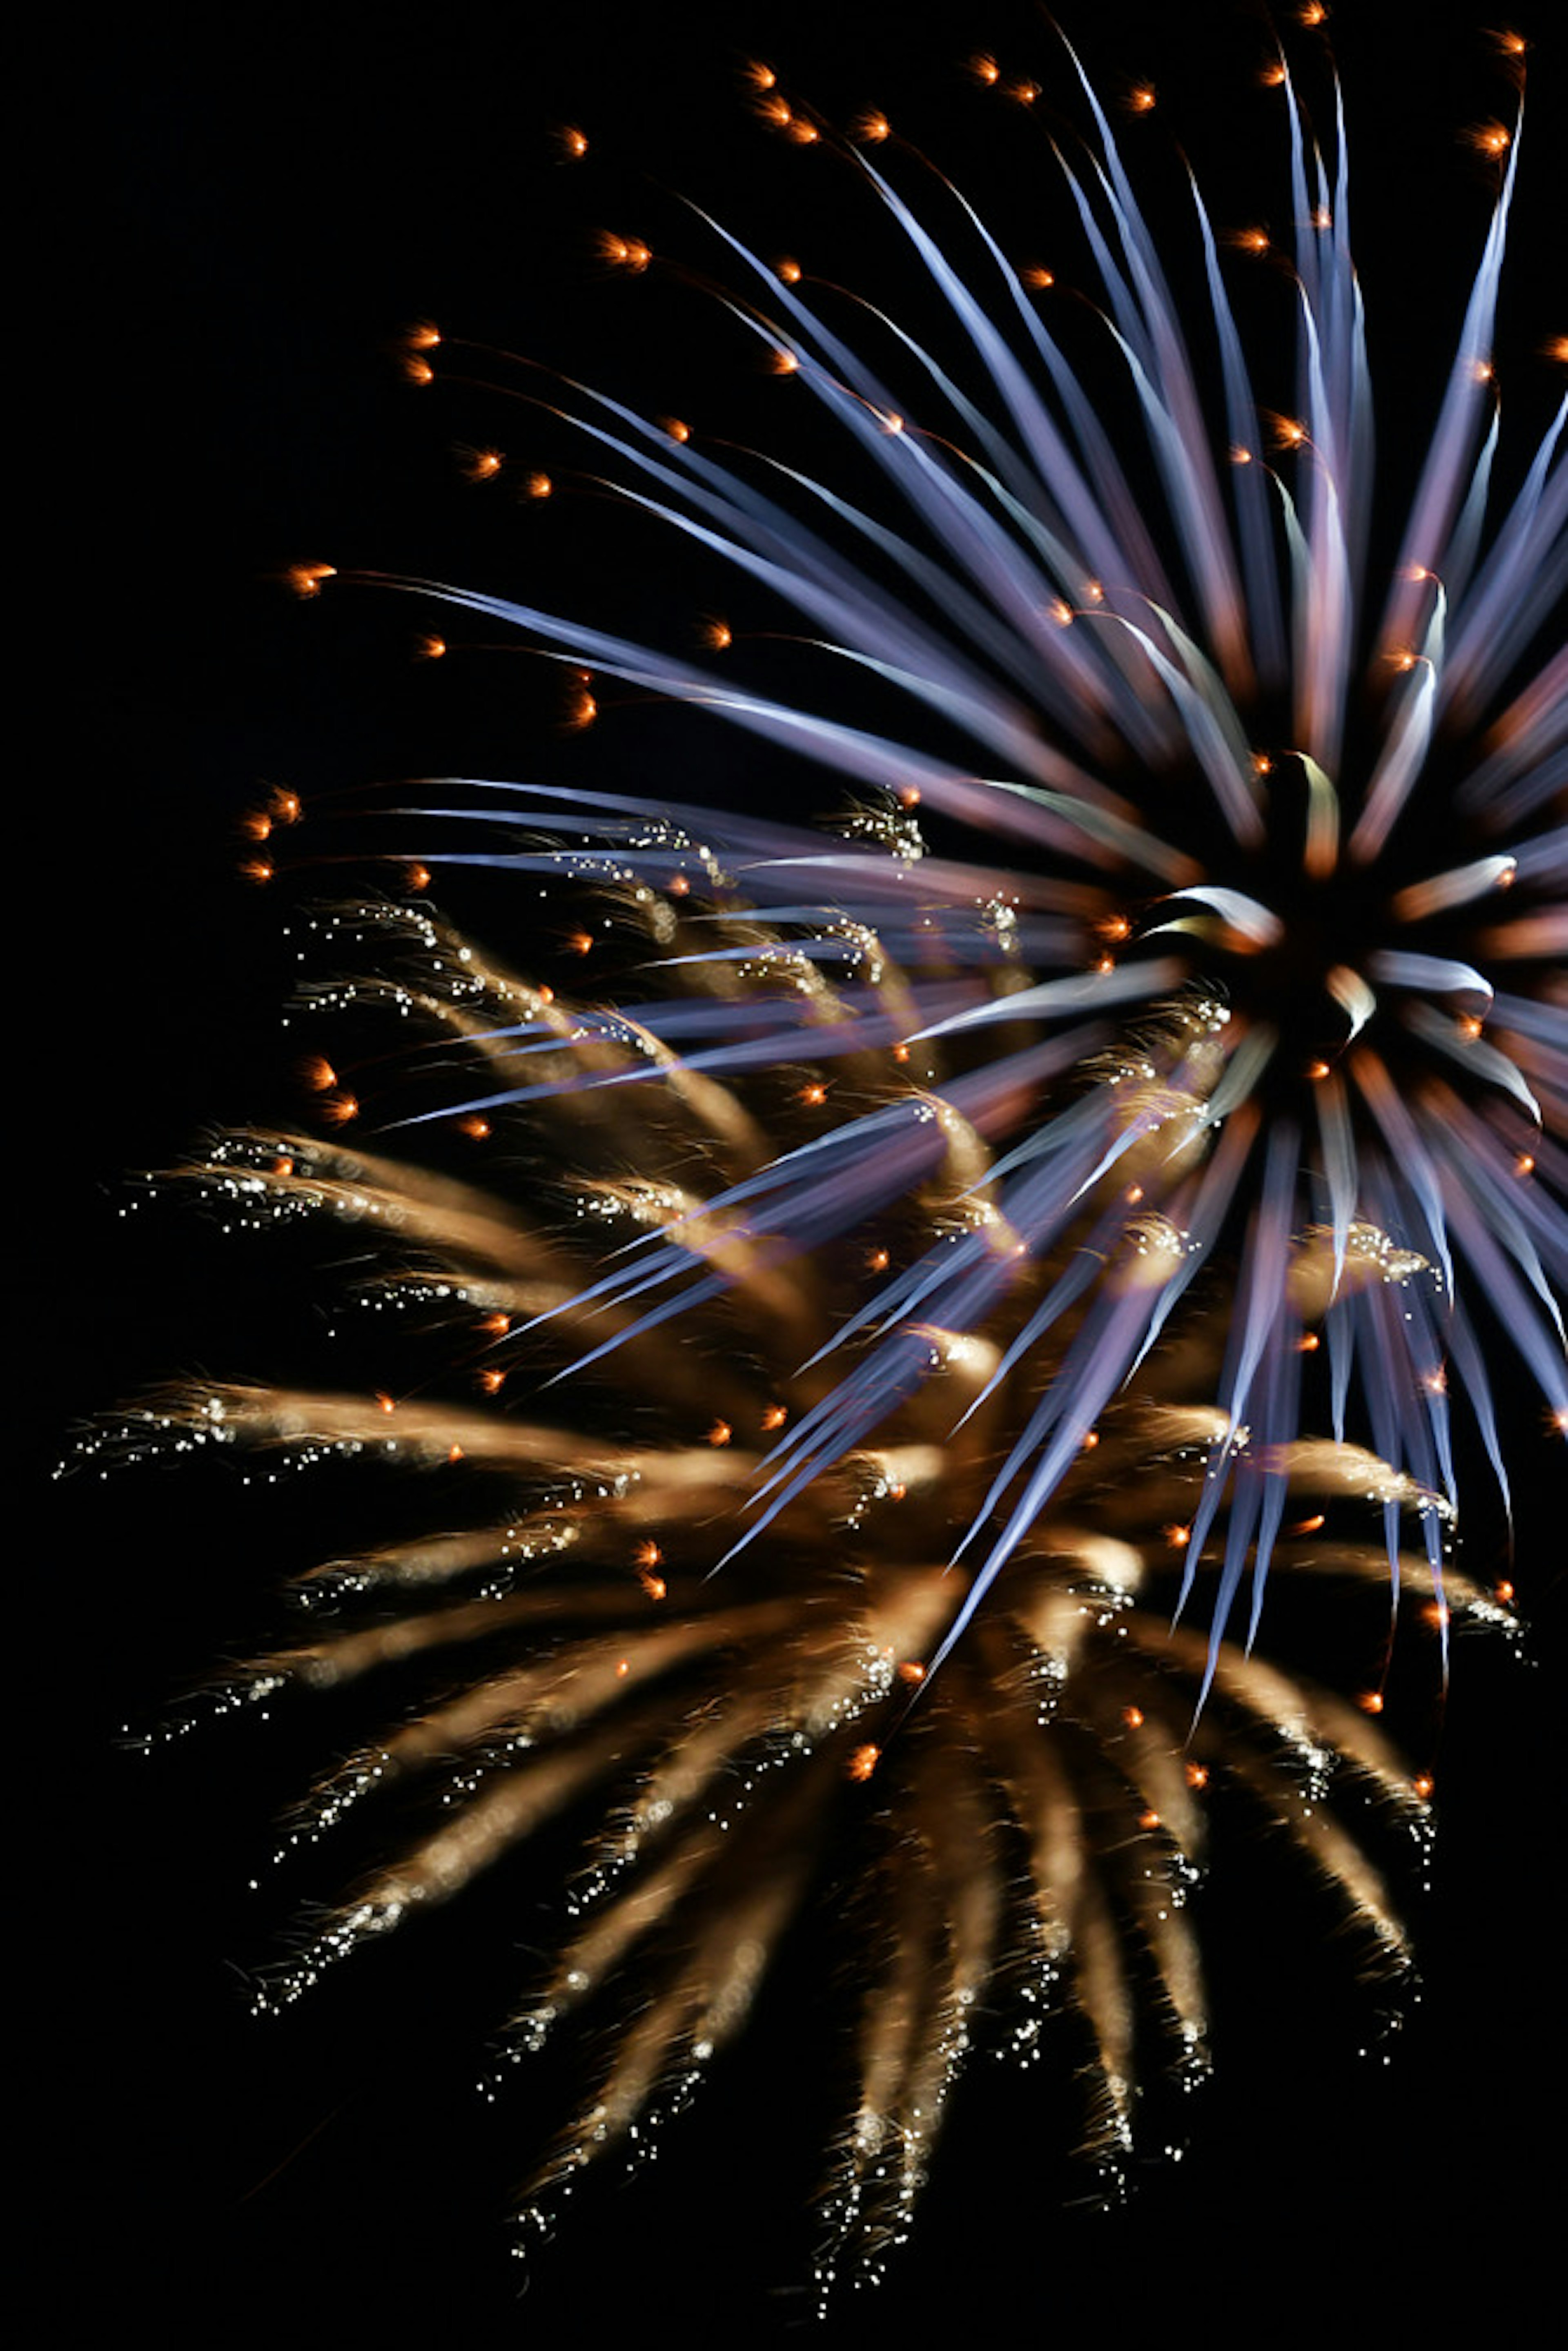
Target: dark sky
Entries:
(278, 193)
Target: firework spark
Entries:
(1221, 736)
(1025, 1838)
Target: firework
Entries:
(735, 1734)
(1307, 1179)
(1218, 736)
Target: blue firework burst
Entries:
(1278, 813)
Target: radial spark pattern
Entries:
(1226, 745)
(1023, 1836)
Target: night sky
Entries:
(279, 193)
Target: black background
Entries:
(276, 193)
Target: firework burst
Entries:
(1225, 743)
(1024, 1839)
